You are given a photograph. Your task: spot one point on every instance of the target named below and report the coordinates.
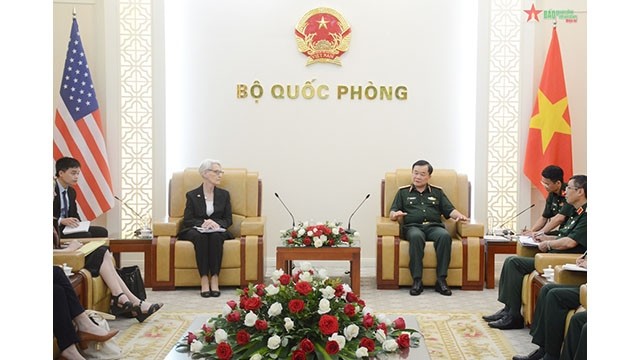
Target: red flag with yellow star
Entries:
(549, 141)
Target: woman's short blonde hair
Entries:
(206, 164)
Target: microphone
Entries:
(293, 220)
(140, 218)
(509, 232)
(354, 212)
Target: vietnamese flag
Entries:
(549, 141)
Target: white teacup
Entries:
(146, 234)
(67, 270)
(548, 272)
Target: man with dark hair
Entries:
(571, 238)
(420, 206)
(65, 209)
(556, 208)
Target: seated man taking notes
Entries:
(571, 238)
(64, 201)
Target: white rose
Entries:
(380, 336)
(351, 331)
(390, 345)
(322, 275)
(335, 231)
(324, 306)
(306, 276)
(317, 242)
(273, 342)
(276, 275)
(275, 309)
(221, 336)
(384, 319)
(256, 357)
(367, 310)
(196, 346)
(250, 319)
(328, 292)
(226, 310)
(288, 324)
(356, 235)
(339, 339)
(309, 233)
(347, 289)
(272, 290)
(362, 352)
(323, 237)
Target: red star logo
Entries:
(533, 13)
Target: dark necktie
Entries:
(65, 205)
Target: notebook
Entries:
(82, 226)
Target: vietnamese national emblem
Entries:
(323, 35)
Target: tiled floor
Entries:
(380, 300)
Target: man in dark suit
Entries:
(65, 209)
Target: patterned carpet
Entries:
(447, 335)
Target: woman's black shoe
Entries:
(142, 316)
(205, 294)
(214, 293)
(120, 309)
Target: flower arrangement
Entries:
(302, 316)
(327, 234)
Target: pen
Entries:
(583, 255)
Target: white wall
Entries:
(321, 156)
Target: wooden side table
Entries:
(285, 256)
(118, 246)
(493, 248)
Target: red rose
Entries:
(252, 303)
(260, 289)
(307, 346)
(349, 310)
(361, 303)
(303, 288)
(328, 324)
(190, 337)
(261, 325)
(331, 242)
(368, 343)
(206, 328)
(351, 297)
(298, 355)
(326, 230)
(242, 337)
(367, 320)
(232, 304)
(403, 341)
(339, 290)
(332, 347)
(290, 241)
(294, 233)
(383, 326)
(296, 305)
(399, 323)
(224, 351)
(344, 238)
(233, 316)
(307, 241)
(285, 279)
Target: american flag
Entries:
(78, 131)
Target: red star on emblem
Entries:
(533, 13)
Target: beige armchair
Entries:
(97, 295)
(543, 261)
(243, 256)
(467, 251)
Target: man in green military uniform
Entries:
(575, 343)
(420, 207)
(571, 238)
(556, 207)
(547, 329)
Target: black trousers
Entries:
(208, 248)
(552, 307)
(66, 307)
(575, 343)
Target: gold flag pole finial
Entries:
(74, 12)
(555, 21)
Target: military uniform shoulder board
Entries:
(405, 187)
(436, 186)
(580, 210)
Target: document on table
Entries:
(573, 267)
(82, 226)
(495, 238)
(204, 231)
(527, 241)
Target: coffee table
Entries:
(418, 353)
(285, 256)
(493, 248)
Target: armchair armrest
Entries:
(75, 259)
(583, 295)
(526, 251)
(545, 260)
(387, 227)
(466, 229)
(252, 226)
(568, 277)
(169, 228)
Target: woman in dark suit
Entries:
(207, 215)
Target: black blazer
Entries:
(195, 211)
(73, 207)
